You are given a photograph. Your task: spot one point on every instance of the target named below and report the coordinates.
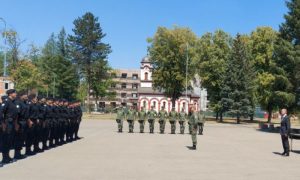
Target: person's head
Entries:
(283, 111)
(66, 103)
(173, 109)
(11, 93)
(32, 98)
(23, 95)
(49, 101)
(163, 108)
(182, 109)
(152, 107)
(142, 108)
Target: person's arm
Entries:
(288, 125)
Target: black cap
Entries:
(32, 96)
(11, 91)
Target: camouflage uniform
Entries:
(130, 119)
(182, 117)
(151, 119)
(142, 117)
(120, 118)
(173, 118)
(163, 115)
(201, 122)
(194, 119)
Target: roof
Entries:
(146, 59)
(149, 90)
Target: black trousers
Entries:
(285, 143)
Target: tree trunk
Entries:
(217, 116)
(238, 120)
(221, 116)
(173, 103)
(269, 115)
(88, 109)
(252, 117)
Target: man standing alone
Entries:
(284, 131)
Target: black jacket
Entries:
(285, 125)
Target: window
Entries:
(102, 104)
(113, 104)
(154, 104)
(134, 95)
(135, 76)
(113, 75)
(134, 86)
(183, 105)
(123, 95)
(124, 104)
(164, 104)
(123, 85)
(124, 75)
(146, 76)
(6, 85)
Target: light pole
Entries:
(186, 69)
(4, 62)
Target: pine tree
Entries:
(88, 47)
(236, 94)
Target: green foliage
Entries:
(238, 86)
(274, 87)
(168, 50)
(88, 49)
(27, 76)
(214, 51)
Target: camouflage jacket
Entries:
(152, 114)
(131, 114)
(163, 115)
(120, 114)
(142, 115)
(182, 116)
(173, 116)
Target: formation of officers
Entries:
(195, 120)
(30, 121)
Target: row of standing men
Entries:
(30, 121)
(195, 119)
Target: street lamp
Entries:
(5, 36)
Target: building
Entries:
(126, 87)
(148, 97)
(134, 88)
(5, 84)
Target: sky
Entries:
(128, 23)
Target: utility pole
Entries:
(5, 49)
(186, 70)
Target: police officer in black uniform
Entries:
(9, 115)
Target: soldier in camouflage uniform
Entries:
(173, 118)
(142, 118)
(182, 117)
(190, 125)
(120, 117)
(201, 122)
(151, 119)
(131, 114)
(194, 119)
(163, 115)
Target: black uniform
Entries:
(284, 132)
(9, 115)
(34, 116)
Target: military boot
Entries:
(28, 152)
(194, 147)
(18, 155)
(6, 159)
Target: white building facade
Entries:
(148, 97)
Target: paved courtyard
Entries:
(225, 152)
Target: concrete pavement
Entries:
(226, 151)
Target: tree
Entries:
(25, 76)
(168, 51)
(88, 47)
(14, 42)
(239, 81)
(214, 51)
(61, 76)
(288, 47)
(274, 88)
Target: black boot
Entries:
(37, 149)
(194, 147)
(28, 152)
(45, 147)
(18, 155)
(6, 159)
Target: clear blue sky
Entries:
(128, 23)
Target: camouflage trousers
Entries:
(173, 127)
(120, 124)
(142, 125)
(182, 126)
(200, 125)
(130, 125)
(151, 125)
(162, 125)
(194, 134)
(190, 127)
